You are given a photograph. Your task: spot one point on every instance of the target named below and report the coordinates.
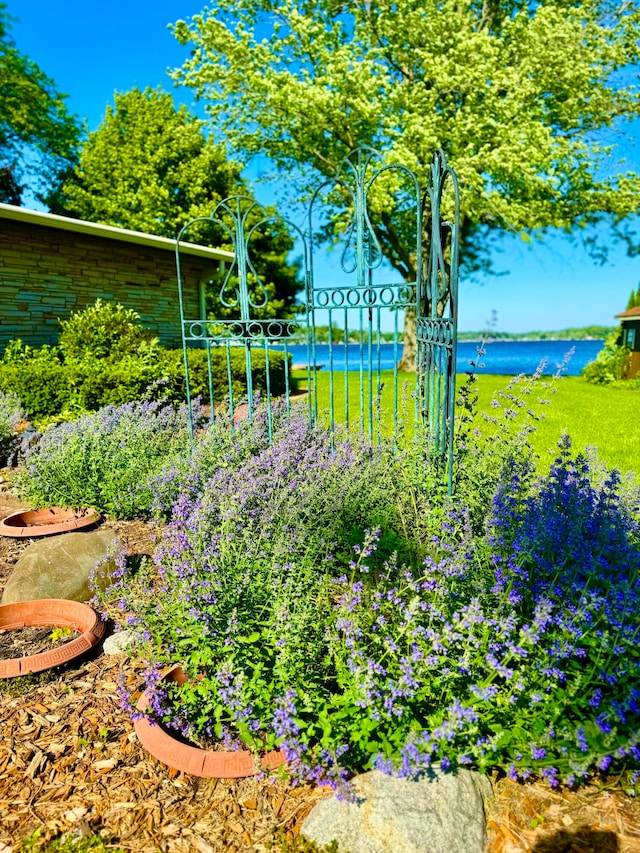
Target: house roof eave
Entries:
(95, 229)
(629, 314)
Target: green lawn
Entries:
(607, 418)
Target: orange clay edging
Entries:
(45, 522)
(54, 612)
(211, 764)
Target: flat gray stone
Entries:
(61, 566)
(440, 815)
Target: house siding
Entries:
(46, 273)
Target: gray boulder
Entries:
(118, 644)
(61, 566)
(443, 814)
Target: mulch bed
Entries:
(70, 762)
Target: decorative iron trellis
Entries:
(354, 383)
(437, 316)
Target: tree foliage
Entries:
(634, 299)
(516, 93)
(33, 116)
(150, 167)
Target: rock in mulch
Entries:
(118, 644)
(61, 566)
(444, 814)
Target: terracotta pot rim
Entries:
(31, 523)
(54, 612)
(210, 764)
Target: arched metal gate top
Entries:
(344, 323)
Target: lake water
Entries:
(503, 357)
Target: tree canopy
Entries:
(33, 116)
(150, 167)
(516, 93)
(634, 299)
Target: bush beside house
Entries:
(105, 356)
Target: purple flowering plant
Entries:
(242, 588)
(11, 413)
(328, 598)
(518, 649)
(104, 459)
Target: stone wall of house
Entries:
(46, 273)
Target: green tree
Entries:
(634, 299)
(33, 118)
(515, 93)
(150, 167)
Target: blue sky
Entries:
(92, 50)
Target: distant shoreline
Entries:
(585, 333)
(517, 340)
(518, 357)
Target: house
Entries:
(52, 265)
(630, 320)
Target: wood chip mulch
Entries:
(70, 762)
(535, 819)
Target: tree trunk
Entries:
(408, 360)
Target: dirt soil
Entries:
(70, 762)
(23, 642)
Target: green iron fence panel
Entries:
(370, 292)
(437, 312)
(245, 350)
(365, 203)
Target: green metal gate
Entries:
(344, 323)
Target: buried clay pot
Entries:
(29, 523)
(50, 612)
(211, 764)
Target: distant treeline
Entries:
(585, 333)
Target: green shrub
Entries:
(198, 372)
(11, 414)
(103, 330)
(609, 364)
(105, 382)
(42, 386)
(132, 377)
(37, 376)
(49, 386)
(106, 357)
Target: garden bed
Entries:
(70, 761)
(324, 597)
